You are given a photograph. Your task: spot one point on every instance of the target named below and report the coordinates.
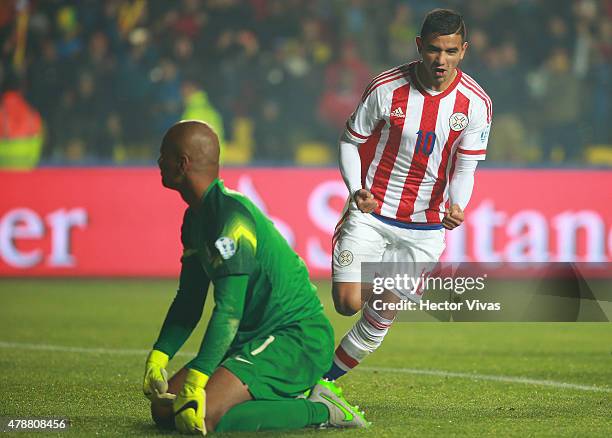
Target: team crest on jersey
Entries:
(345, 258)
(226, 247)
(458, 121)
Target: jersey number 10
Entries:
(426, 141)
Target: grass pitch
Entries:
(76, 349)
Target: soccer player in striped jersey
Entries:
(409, 149)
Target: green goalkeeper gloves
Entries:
(155, 385)
(190, 404)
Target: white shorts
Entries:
(364, 238)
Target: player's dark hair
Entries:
(443, 22)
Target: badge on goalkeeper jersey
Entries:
(226, 247)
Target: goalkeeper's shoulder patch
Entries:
(226, 247)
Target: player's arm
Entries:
(473, 148)
(182, 317)
(234, 260)
(359, 127)
(237, 246)
(230, 295)
(186, 309)
(460, 192)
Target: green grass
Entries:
(100, 392)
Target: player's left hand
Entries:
(453, 217)
(190, 404)
(155, 384)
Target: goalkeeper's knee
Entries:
(163, 416)
(211, 423)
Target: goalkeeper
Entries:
(267, 341)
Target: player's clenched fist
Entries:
(155, 385)
(190, 404)
(365, 201)
(453, 217)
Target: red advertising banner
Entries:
(122, 222)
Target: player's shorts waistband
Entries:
(409, 226)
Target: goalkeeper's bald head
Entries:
(189, 158)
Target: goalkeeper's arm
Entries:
(182, 317)
(230, 296)
(189, 406)
(186, 309)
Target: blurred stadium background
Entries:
(89, 88)
(278, 78)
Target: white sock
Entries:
(366, 336)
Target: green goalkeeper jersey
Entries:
(260, 284)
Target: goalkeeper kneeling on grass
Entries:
(267, 341)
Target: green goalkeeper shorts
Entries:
(287, 362)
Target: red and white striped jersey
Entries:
(409, 140)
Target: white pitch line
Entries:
(440, 373)
(506, 379)
(67, 349)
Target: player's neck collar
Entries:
(215, 182)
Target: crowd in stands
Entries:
(278, 78)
